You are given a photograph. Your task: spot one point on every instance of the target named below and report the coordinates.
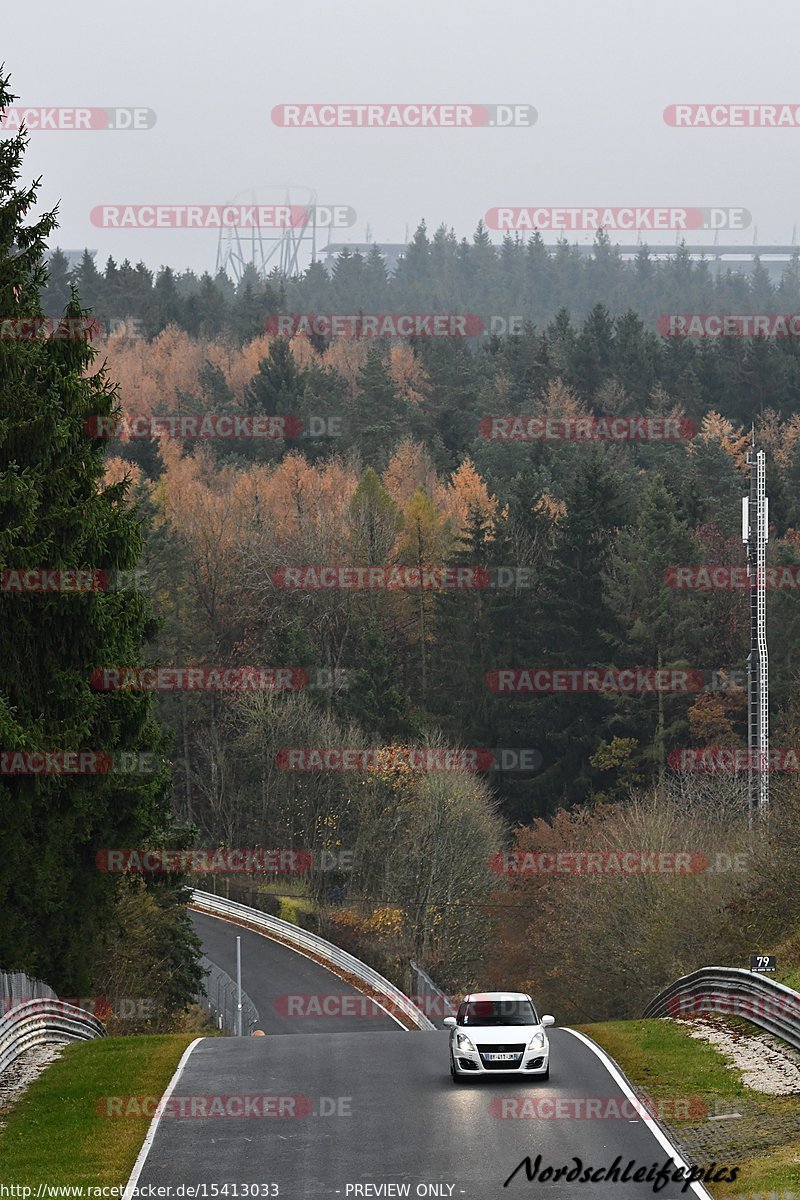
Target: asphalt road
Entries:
(360, 1112)
(293, 994)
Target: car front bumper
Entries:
(532, 1062)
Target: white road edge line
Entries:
(151, 1133)
(653, 1126)
(263, 933)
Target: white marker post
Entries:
(755, 534)
(238, 986)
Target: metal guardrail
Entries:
(37, 1022)
(219, 997)
(733, 992)
(430, 998)
(16, 987)
(318, 947)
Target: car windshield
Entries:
(497, 1012)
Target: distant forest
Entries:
(597, 524)
(388, 466)
(438, 273)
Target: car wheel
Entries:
(546, 1075)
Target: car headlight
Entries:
(464, 1043)
(537, 1042)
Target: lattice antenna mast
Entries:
(264, 249)
(755, 534)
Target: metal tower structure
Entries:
(755, 533)
(267, 249)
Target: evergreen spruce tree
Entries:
(277, 390)
(467, 628)
(89, 284)
(373, 697)
(592, 357)
(55, 513)
(577, 627)
(56, 295)
(661, 628)
(349, 283)
(379, 415)
(163, 307)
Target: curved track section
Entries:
(292, 993)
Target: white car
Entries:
(498, 1033)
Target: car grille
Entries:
(518, 1049)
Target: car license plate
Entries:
(500, 1057)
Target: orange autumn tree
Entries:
(347, 356)
(731, 438)
(559, 401)
(151, 374)
(203, 510)
(117, 469)
(409, 375)
(425, 542)
(779, 438)
(411, 469)
(710, 717)
(467, 499)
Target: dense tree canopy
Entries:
(56, 514)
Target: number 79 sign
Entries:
(763, 962)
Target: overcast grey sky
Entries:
(599, 76)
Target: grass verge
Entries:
(57, 1134)
(661, 1059)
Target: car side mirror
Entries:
(548, 1020)
(449, 1022)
